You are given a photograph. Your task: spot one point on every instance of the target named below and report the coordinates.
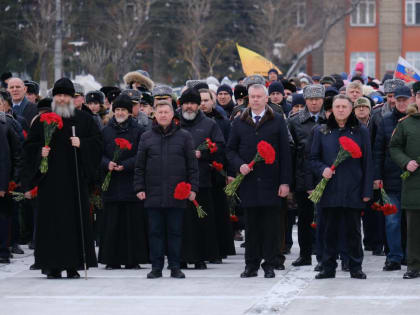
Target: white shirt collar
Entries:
(261, 114)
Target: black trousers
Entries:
(352, 234)
(167, 220)
(264, 232)
(413, 239)
(305, 218)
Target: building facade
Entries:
(379, 31)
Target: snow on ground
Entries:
(218, 290)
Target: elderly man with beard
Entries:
(200, 242)
(58, 240)
(124, 230)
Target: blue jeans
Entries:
(393, 230)
(165, 221)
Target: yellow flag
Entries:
(253, 63)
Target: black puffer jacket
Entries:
(385, 167)
(201, 128)
(164, 159)
(121, 184)
(300, 127)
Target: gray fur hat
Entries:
(314, 91)
(392, 84)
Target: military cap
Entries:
(254, 79)
(162, 91)
(134, 95)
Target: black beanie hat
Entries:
(190, 95)
(225, 88)
(63, 86)
(288, 86)
(44, 104)
(276, 87)
(273, 70)
(240, 91)
(123, 101)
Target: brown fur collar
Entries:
(247, 117)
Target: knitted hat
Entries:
(274, 71)
(225, 88)
(298, 99)
(123, 101)
(276, 87)
(63, 86)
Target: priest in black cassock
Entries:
(58, 239)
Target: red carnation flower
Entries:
(267, 152)
(182, 191)
(12, 187)
(207, 145)
(123, 144)
(34, 192)
(313, 225)
(52, 118)
(217, 166)
(234, 218)
(351, 147)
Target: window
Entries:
(364, 14)
(300, 12)
(412, 12)
(413, 58)
(369, 62)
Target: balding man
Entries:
(21, 106)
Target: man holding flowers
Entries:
(264, 183)
(58, 239)
(341, 154)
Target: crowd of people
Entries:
(119, 159)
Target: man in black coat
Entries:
(165, 158)
(21, 106)
(200, 242)
(124, 229)
(264, 186)
(221, 207)
(10, 164)
(300, 126)
(58, 240)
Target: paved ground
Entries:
(218, 290)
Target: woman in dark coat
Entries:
(124, 232)
(349, 188)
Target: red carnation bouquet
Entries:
(207, 145)
(51, 122)
(182, 192)
(384, 204)
(265, 152)
(348, 148)
(19, 196)
(12, 187)
(407, 174)
(121, 145)
(218, 167)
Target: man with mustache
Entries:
(58, 240)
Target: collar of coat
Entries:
(247, 117)
(172, 128)
(305, 115)
(2, 117)
(352, 124)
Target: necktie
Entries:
(257, 119)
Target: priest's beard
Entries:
(120, 120)
(189, 115)
(63, 110)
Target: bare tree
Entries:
(39, 25)
(194, 29)
(212, 54)
(324, 16)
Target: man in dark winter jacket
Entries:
(300, 126)
(124, 230)
(10, 165)
(155, 180)
(387, 174)
(200, 240)
(349, 187)
(277, 100)
(264, 185)
(224, 98)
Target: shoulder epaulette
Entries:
(378, 106)
(404, 118)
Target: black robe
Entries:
(58, 236)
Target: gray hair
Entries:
(258, 87)
(342, 97)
